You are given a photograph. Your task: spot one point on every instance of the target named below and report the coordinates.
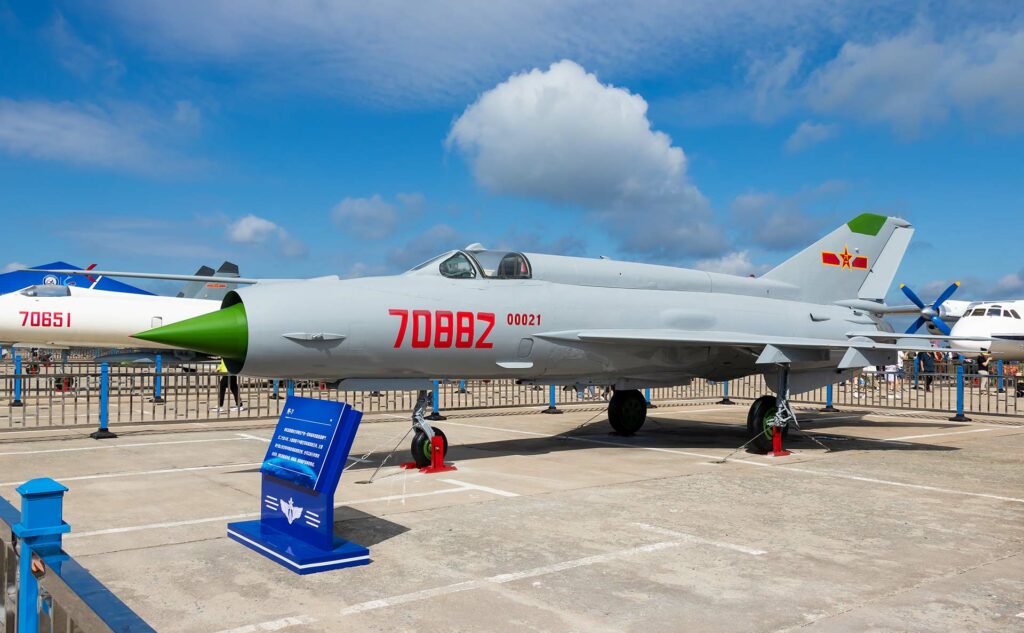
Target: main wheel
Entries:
(627, 411)
(421, 446)
(759, 418)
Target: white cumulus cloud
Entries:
(810, 133)
(375, 218)
(736, 263)
(254, 230)
(562, 136)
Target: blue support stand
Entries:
(301, 471)
(725, 394)
(647, 398)
(462, 386)
(39, 534)
(104, 433)
(435, 412)
(276, 395)
(290, 389)
(551, 402)
(158, 393)
(959, 417)
(999, 370)
(828, 401)
(17, 381)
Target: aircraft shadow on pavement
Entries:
(663, 432)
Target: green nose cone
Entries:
(223, 333)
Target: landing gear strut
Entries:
(423, 431)
(627, 411)
(769, 413)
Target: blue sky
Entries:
(308, 138)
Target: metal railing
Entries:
(56, 397)
(58, 595)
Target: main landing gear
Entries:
(768, 413)
(627, 411)
(423, 431)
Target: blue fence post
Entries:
(290, 390)
(725, 394)
(828, 401)
(551, 402)
(435, 413)
(17, 381)
(103, 432)
(39, 533)
(959, 417)
(647, 397)
(999, 370)
(158, 391)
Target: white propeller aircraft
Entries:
(1002, 321)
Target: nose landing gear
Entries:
(422, 447)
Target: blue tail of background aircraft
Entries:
(18, 279)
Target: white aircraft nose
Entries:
(970, 327)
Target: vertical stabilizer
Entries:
(858, 260)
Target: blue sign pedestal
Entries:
(300, 476)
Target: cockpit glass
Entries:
(979, 312)
(47, 291)
(993, 311)
(503, 264)
(1014, 313)
(457, 266)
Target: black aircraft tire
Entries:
(421, 446)
(627, 411)
(757, 429)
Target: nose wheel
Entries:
(421, 447)
(762, 418)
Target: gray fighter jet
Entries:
(546, 319)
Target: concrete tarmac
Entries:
(550, 523)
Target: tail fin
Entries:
(192, 289)
(856, 261)
(216, 288)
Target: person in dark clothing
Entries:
(926, 366)
(227, 381)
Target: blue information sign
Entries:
(301, 471)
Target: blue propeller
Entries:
(929, 313)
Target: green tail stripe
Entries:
(867, 223)
(223, 333)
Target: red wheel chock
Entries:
(437, 464)
(777, 450)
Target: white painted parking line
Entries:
(272, 625)
(749, 462)
(693, 538)
(254, 437)
(688, 410)
(101, 447)
(460, 487)
(918, 437)
(885, 482)
(468, 585)
(138, 473)
(577, 438)
(493, 491)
